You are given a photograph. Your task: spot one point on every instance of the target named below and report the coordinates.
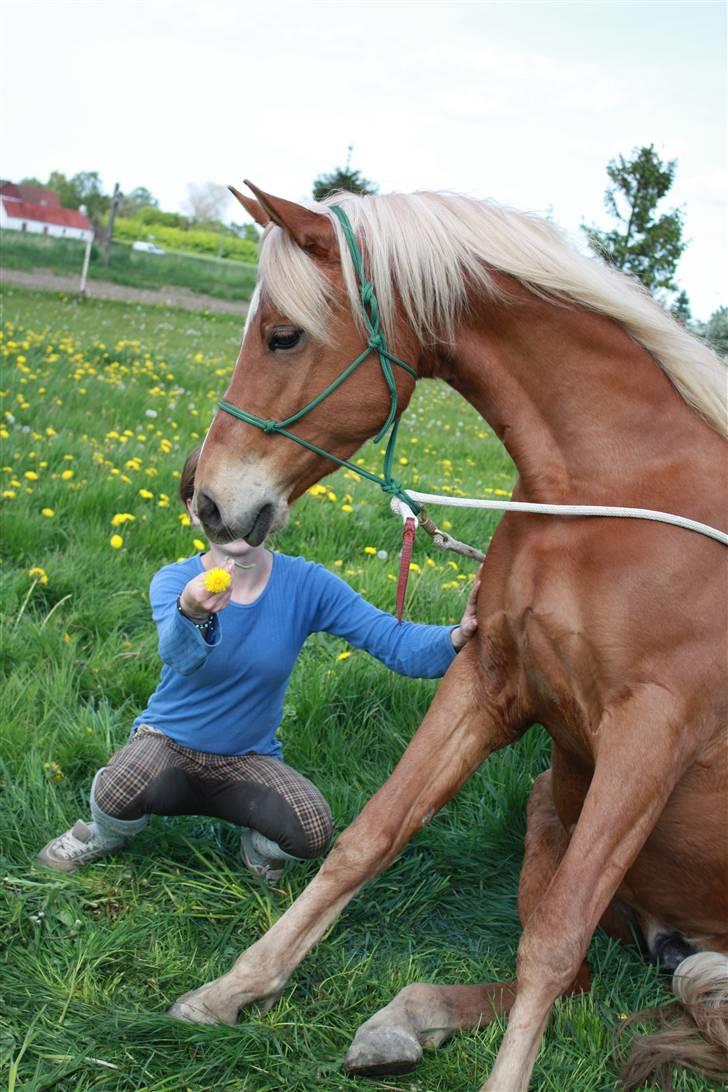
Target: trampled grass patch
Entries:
(101, 403)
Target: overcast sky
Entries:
(523, 102)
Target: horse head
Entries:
(303, 328)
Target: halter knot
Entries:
(269, 426)
(366, 293)
(377, 343)
(392, 486)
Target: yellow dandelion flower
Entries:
(49, 513)
(120, 518)
(66, 475)
(331, 495)
(116, 542)
(31, 475)
(346, 508)
(198, 544)
(343, 656)
(145, 494)
(40, 574)
(216, 581)
(185, 520)
(414, 567)
(370, 549)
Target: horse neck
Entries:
(584, 411)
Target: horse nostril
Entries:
(208, 511)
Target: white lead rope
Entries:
(554, 510)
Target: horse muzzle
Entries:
(253, 523)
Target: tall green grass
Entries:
(117, 395)
(222, 278)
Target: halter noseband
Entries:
(376, 343)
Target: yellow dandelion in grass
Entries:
(116, 542)
(145, 494)
(31, 475)
(414, 567)
(9, 494)
(121, 518)
(185, 520)
(216, 580)
(198, 544)
(54, 771)
(346, 508)
(49, 513)
(40, 574)
(66, 475)
(370, 549)
(343, 656)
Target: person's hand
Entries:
(469, 621)
(198, 603)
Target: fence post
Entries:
(86, 256)
(115, 199)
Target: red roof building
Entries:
(38, 211)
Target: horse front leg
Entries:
(461, 728)
(643, 751)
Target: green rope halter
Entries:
(376, 343)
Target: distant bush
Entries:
(178, 238)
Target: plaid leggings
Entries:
(153, 775)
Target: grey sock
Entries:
(108, 827)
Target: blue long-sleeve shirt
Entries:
(223, 693)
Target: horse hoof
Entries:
(193, 1010)
(385, 1049)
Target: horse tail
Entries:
(693, 1030)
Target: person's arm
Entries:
(421, 651)
(181, 610)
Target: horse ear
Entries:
(311, 230)
(251, 207)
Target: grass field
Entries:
(220, 277)
(102, 401)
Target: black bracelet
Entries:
(204, 626)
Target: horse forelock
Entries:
(429, 252)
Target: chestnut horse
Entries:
(611, 633)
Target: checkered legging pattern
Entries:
(153, 774)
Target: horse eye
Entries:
(284, 338)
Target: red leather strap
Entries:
(409, 531)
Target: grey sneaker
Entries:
(78, 846)
(270, 868)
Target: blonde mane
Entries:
(434, 249)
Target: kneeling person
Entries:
(206, 743)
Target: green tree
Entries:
(716, 330)
(342, 178)
(645, 243)
(137, 199)
(64, 187)
(681, 308)
(87, 185)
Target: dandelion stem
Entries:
(24, 604)
(54, 608)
